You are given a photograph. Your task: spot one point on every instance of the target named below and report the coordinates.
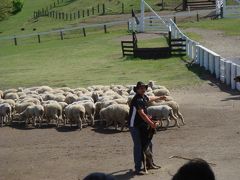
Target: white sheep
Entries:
(13, 96)
(9, 91)
(20, 107)
(5, 113)
(1, 94)
(53, 111)
(102, 104)
(162, 112)
(30, 99)
(34, 112)
(75, 113)
(70, 98)
(161, 92)
(116, 113)
(9, 101)
(175, 106)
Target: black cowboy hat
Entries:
(139, 84)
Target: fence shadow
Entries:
(206, 76)
(123, 174)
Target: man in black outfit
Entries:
(139, 122)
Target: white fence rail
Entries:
(223, 69)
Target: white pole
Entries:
(142, 16)
(224, 8)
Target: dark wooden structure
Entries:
(196, 5)
(175, 47)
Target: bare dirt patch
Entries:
(226, 46)
(212, 133)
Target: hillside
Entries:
(24, 19)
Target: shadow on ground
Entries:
(123, 174)
(206, 76)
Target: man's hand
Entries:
(162, 97)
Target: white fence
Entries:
(150, 23)
(223, 69)
(231, 11)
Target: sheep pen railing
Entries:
(222, 68)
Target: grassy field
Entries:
(82, 61)
(229, 26)
(24, 19)
(95, 59)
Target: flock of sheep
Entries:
(81, 106)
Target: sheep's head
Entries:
(151, 83)
(237, 79)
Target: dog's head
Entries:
(237, 79)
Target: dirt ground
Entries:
(212, 132)
(226, 46)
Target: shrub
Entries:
(17, 6)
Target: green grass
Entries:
(95, 59)
(24, 19)
(229, 26)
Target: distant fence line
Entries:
(61, 32)
(223, 69)
(61, 15)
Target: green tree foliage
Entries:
(17, 6)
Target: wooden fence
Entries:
(51, 12)
(60, 34)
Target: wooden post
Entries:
(59, 15)
(122, 8)
(78, 14)
(93, 10)
(39, 40)
(98, 8)
(61, 35)
(15, 41)
(175, 19)
(170, 41)
(184, 5)
(88, 12)
(103, 9)
(63, 16)
(83, 13)
(221, 12)
(105, 28)
(84, 32)
(54, 4)
(197, 17)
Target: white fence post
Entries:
(228, 72)
(222, 70)
(206, 60)
(197, 55)
(238, 74)
(211, 69)
(217, 66)
(233, 75)
(201, 57)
